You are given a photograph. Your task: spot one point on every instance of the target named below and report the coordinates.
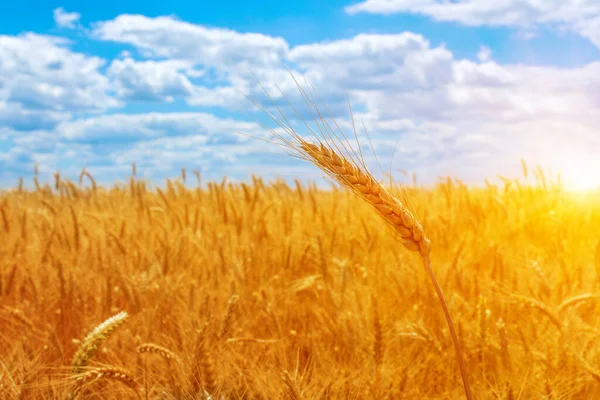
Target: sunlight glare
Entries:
(581, 175)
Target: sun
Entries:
(581, 175)
(582, 183)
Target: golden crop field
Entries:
(265, 291)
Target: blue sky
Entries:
(464, 88)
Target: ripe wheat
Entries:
(92, 375)
(327, 155)
(89, 346)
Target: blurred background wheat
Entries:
(268, 290)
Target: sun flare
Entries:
(581, 175)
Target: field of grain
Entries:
(268, 291)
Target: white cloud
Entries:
(481, 12)
(21, 119)
(590, 28)
(171, 38)
(138, 127)
(402, 76)
(484, 54)
(159, 143)
(162, 143)
(440, 111)
(367, 61)
(65, 19)
(179, 55)
(182, 52)
(152, 80)
(39, 72)
(581, 16)
(166, 80)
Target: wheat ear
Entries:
(110, 373)
(157, 349)
(94, 339)
(394, 213)
(358, 179)
(167, 355)
(366, 187)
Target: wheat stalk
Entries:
(227, 317)
(328, 155)
(203, 375)
(292, 390)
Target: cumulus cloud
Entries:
(442, 112)
(65, 19)
(438, 110)
(18, 118)
(179, 52)
(581, 16)
(153, 125)
(480, 12)
(39, 72)
(151, 80)
(369, 61)
(171, 38)
(161, 143)
(16, 161)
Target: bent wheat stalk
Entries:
(326, 155)
(394, 213)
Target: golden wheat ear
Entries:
(362, 183)
(103, 373)
(328, 155)
(90, 344)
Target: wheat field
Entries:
(262, 290)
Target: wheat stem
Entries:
(457, 348)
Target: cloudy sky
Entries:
(463, 88)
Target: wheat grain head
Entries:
(157, 349)
(111, 373)
(364, 185)
(94, 339)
